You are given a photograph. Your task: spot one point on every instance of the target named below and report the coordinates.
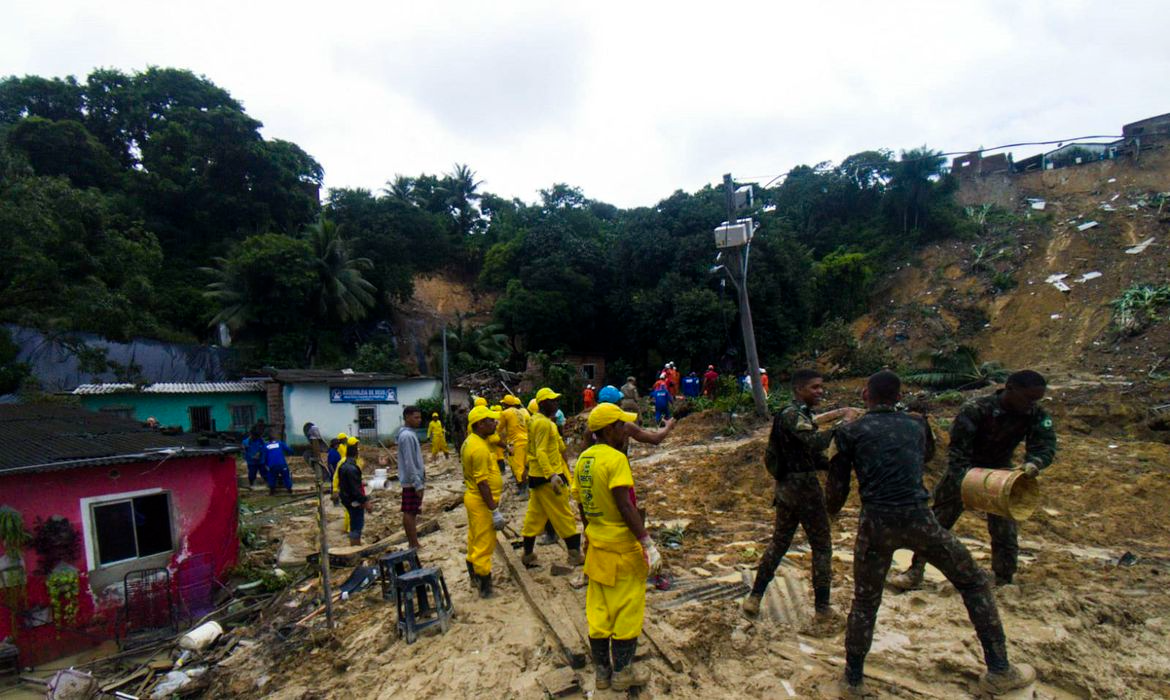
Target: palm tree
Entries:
(400, 188)
(471, 348)
(461, 189)
(911, 179)
(959, 369)
(343, 292)
(229, 291)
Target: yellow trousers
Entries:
(481, 534)
(545, 505)
(516, 460)
(615, 601)
(438, 444)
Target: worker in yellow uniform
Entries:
(621, 554)
(342, 447)
(438, 436)
(547, 484)
(482, 486)
(513, 430)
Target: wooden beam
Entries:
(653, 634)
(352, 554)
(550, 610)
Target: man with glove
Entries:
(985, 434)
(412, 475)
(546, 483)
(482, 486)
(621, 554)
(887, 449)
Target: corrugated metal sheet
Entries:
(172, 388)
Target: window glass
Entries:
(243, 416)
(114, 528)
(152, 523)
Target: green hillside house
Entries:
(192, 406)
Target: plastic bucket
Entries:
(201, 637)
(379, 474)
(1003, 492)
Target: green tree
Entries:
(342, 292)
(264, 285)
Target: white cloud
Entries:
(629, 101)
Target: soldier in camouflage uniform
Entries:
(985, 433)
(887, 449)
(795, 452)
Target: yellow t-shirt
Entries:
(480, 465)
(600, 469)
(544, 447)
(513, 426)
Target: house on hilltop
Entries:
(133, 528)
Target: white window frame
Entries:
(87, 523)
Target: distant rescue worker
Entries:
(673, 379)
(794, 454)
(630, 395)
(621, 553)
(547, 482)
(589, 397)
(764, 380)
(662, 400)
(482, 486)
(274, 459)
(513, 430)
(342, 444)
(254, 456)
(497, 441)
(353, 493)
(333, 459)
(710, 382)
(985, 434)
(438, 436)
(887, 449)
(691, 386)
(412, 473)
(661, 383)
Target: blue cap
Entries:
(610, 394)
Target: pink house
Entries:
(131, 529)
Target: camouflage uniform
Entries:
(984, 435)
(887, 449)
(795, 453)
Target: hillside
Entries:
(991, 292)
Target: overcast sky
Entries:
(627, 100)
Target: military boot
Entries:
(530, 560)
(826, 622)
(909, 579)
(751, 605)
(1017, 676)
(853, 691)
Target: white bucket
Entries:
(201, 637)
(379, 475)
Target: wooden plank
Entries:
(561, 682)
(352, 554)
(653, 634)
(549, 610)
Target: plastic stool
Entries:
(412, 588)
(393, 565)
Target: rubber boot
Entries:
(909, 579)
(485, 585)
(602, 666)
(472, 576)
(853, 691)
(626, 673)
(530, 560)
(751, 605)
(1002, 580)
(1017, 676)
(576, 558)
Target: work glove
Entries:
(557, 482)
(1030, 469)
(498, 521)
(650, 555)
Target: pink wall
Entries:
(204, 513)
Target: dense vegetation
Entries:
(148, 204)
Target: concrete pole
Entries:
(737, 268)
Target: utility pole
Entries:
(737, 270)
(313, 457)
(446, 379)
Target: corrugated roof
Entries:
(42, 437)
(172, 388)
(333, 376)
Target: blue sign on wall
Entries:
(363, 394)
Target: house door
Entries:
(200, 419)
(367, 423)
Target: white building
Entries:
(366, 404)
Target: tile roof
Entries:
(40, 437)
(239, 387)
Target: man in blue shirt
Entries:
(274, 453)
(254, 456)
(662, 401)
(691, 384)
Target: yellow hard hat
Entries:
(342, 436)
(479, 413)
(606, 413)
(511, 400)
(352, 441)
(480, 401)
(546, 394)
(434, 415)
